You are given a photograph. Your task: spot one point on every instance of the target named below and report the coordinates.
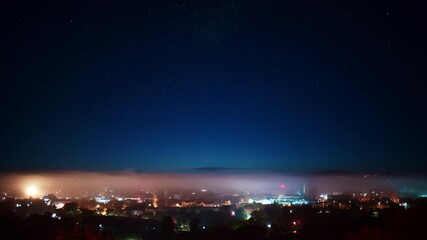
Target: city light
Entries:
(32, 191)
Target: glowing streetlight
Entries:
(32, 191)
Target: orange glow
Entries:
(32, 191)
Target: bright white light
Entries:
(32, 191)
(405, 205)
(59, 205)
(269, 225)
(324, 196)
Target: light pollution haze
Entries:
(76, 184)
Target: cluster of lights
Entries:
(102, 200)
(55, 216)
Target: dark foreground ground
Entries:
(272, 222)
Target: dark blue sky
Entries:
(174, 86)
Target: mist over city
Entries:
(77, 184)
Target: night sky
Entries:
(187, 86)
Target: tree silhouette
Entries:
(258, 218)
(168, 226)
(70, 209)
(195, 225)
(240, 214)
